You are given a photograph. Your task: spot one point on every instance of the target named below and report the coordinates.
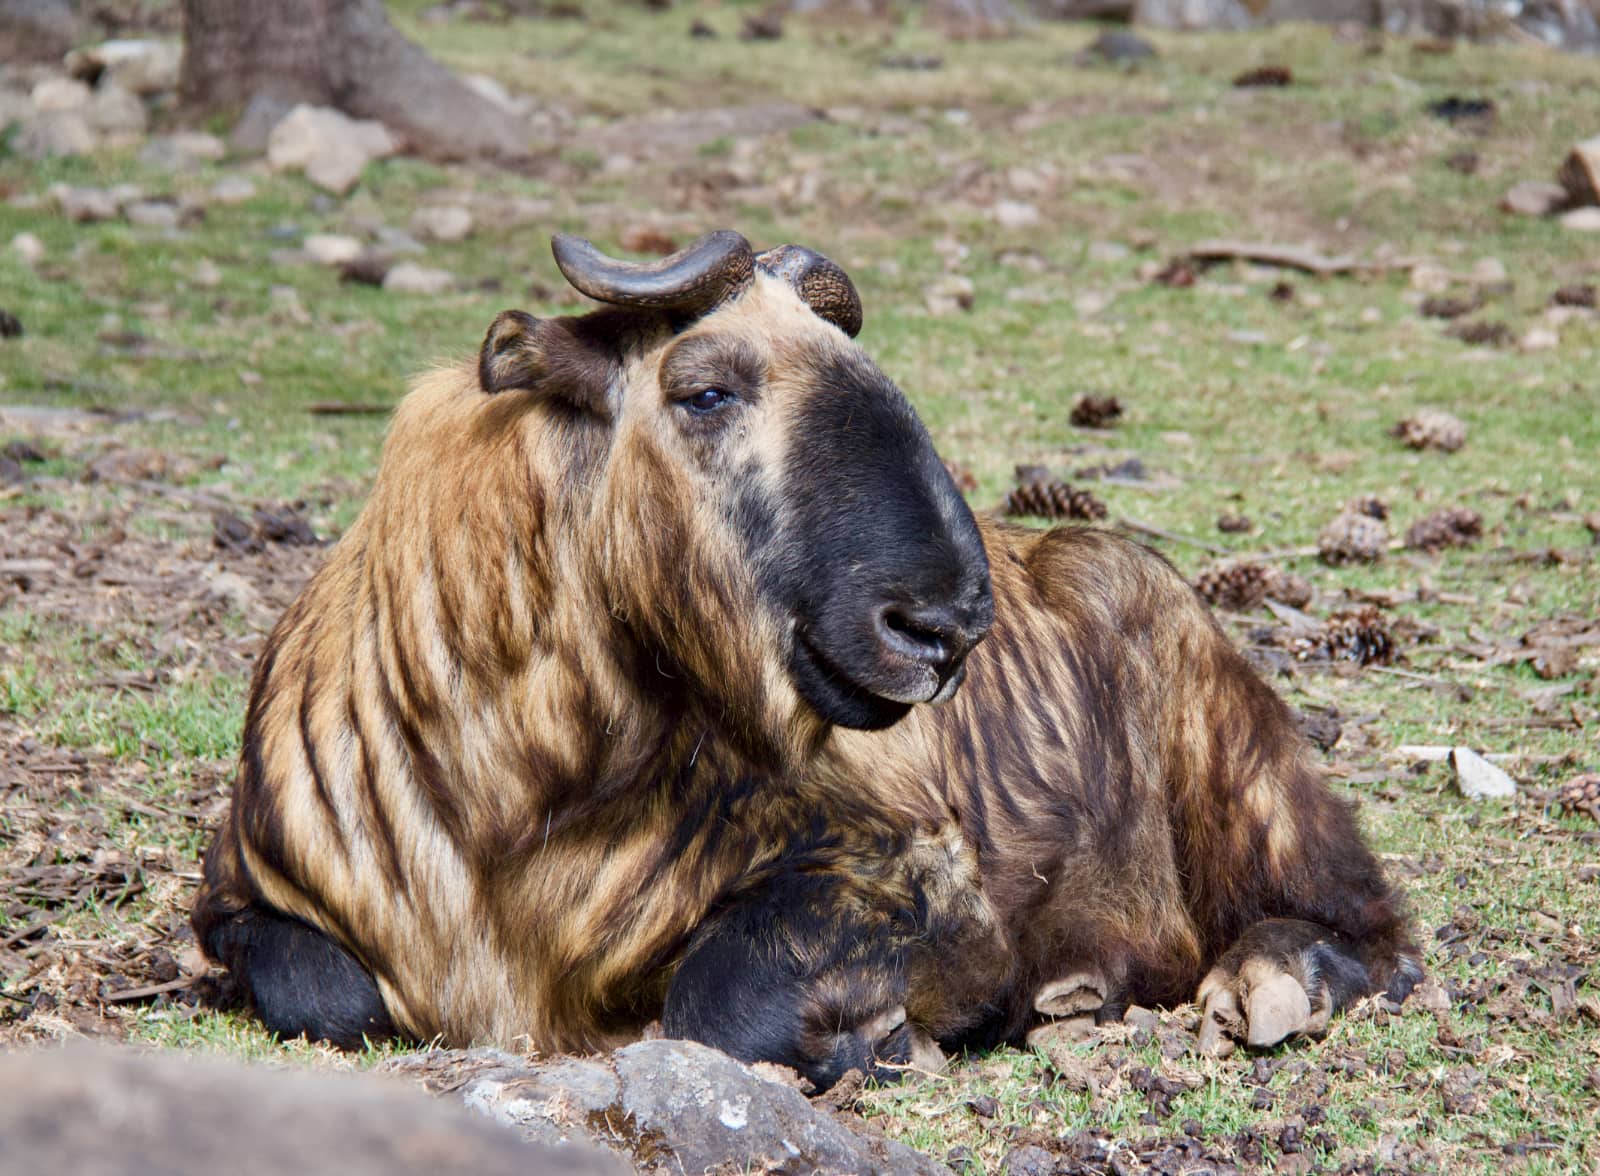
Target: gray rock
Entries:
(331, 248)
(153, 214)
(254, 128)
(1534, 198)
(116, 111)
(120, 1112)
(54, 95)
(183, 151)
(85, 205)
(41, 136)
(410, 278)
(1116, 45)
(233, 190)
(1240, 14)
(666, 1106)
(139, 66)
(330, 148)
(442, 222)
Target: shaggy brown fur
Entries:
(531, 726)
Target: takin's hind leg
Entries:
(300, 980)
(1282, 978)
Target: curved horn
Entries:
(825, 287)
(691, 281)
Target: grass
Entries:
(1279, 410)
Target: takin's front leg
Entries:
(801, 972)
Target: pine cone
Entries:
(1453, 526)
(1236, 586)
(1370, 505)
(1581, 294)
(1052, 499)
(1096, 412)
(1359, 635)
(1353, 538)
(1429, 428)
(1581, 794)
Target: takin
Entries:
(667, 676)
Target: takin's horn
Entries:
(692, 281)
(825, 287)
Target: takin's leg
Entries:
(1287, 896)
(301, 982)
(800, 973)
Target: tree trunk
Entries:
(341, 53)
(38, 30)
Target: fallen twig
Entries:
(1171, 536)
(346, 408)
(148, 991)
(1288, 256)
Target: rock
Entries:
(410, 278)
(1116, 45)
(232, 589)
(233, 190)
(442, 222)
(949, 294)
(665, 1105)
(154, 214)
(206, 274)
(97, 1108)
(1028, 1160)
(141, 67)
(1539, 339)
(1580, 173)
(116, 111)
(331, 249)
(1489, 271)
(183, 151)
(28, 247)
(42, 136)
(1477, 778)
(1582, 220)
(1015, 214)
(54, 95)
(253, 131)
(330, 148)
(1244, 14)
(1430, 278)
(1534, 198)
(84, 205)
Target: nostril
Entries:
(914, 636)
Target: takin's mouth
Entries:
(841, 697)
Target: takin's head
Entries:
(773, 521)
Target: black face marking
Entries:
(878, 562)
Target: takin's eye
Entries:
(706, 401)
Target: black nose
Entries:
(937, 635)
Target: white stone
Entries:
(328, 147)
(28, 247)
(153, 214)
(54, 95)
(489, 88)
(1489, 271)
(1477, 778)
(142, 66)
(1430, 277)
(331, 249)
(233, 190)
(84, 205)
(206, 274)
(1539, 339)
(1107, 251)
(1582, 220)
(949, 294)
(1015, 214)
(410, 278)
(442, 222)
(115, 110)
(1534, 198)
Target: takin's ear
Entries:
(558, 357)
